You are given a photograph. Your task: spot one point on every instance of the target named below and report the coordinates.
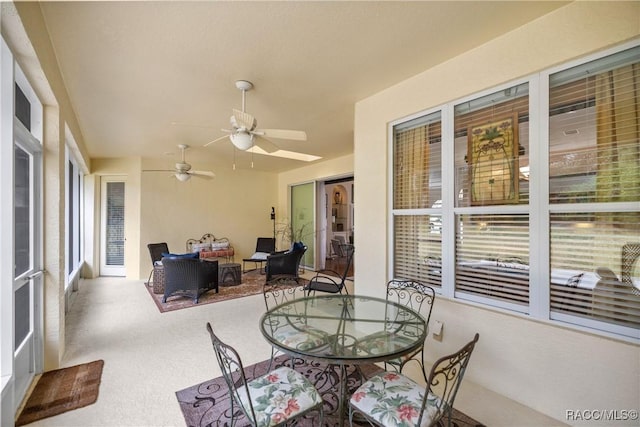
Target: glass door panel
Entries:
(113, 217)
(303, 219)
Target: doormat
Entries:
(62, 390)
(252, 284)
(208, 405)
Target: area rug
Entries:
(252, 284)
(208, 405)
(62, 390)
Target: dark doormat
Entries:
(62, 390)
(208, 405)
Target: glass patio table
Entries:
(343, 330)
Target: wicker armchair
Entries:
(189, 277)
(285, 264)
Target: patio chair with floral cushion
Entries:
(412, 294)
(278, 292)
(272, 399)
(392, 400)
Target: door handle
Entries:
(34, 275)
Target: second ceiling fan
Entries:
(246, 136)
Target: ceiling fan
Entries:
(183, 171)
(245, 135)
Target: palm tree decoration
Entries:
(492, 161)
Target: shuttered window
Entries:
(417, 202)
(594, 157)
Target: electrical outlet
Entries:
(437, 328)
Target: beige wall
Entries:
(546, 367)
(235, 204)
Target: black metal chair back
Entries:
(266, 244)
(233, 373)
(445, 379)
(325, 280)
(419, 297)
(155, 251)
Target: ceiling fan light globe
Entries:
(242, 140)
(183, 177)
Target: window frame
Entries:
(538, 209)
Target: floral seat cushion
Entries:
(394, 400)
(301, 337)
(384, 342)
(279, 395)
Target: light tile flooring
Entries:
(149, 356)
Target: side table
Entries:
(229, 274)
(158, 279)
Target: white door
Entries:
(112, 227)
(27, 284)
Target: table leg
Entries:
(343, 393)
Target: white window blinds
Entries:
(594, 157)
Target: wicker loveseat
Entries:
(211, 247)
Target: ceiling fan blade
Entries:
(216, 140)
(203, 174)
(158, 170)
(265, 144)
(285, 154)
(244, 120)
(296, 135)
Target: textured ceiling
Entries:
(134, 69)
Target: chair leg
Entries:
(148, 283)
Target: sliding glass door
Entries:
(303, 222)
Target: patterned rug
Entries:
(208, 405)
(252, 283)
(62, 390)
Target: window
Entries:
(491, 150)
(74, 218)
(417, 183)
(585, 163)
(594, 158)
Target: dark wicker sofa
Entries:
(189, 277)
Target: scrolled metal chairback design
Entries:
(412, 294)
(447, 373)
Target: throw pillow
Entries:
(260, 255)
(198, 247)
(215, 246)
(193, 255)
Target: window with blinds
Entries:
(592, 266)
(417, 185)
(417, 248)
(592, 211)
(492, 258)
(594, 157)
(496, 273)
